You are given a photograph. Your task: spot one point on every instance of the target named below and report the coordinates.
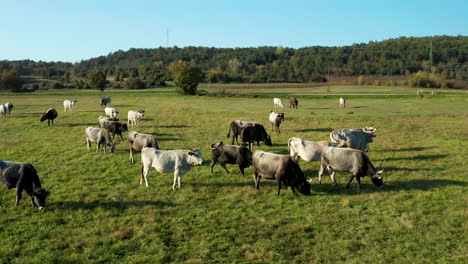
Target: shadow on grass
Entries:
(420, 157)
(366, 187)
(314, 130)
(82, 124)
(169, 139)
(358, 106)
(404, 149)
(111, 204)
(176, 126)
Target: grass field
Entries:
(98, 213)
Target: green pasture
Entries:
(98, 212)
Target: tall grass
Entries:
(97, 211)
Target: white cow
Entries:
(165, 161)
(134, 117)
(68, 105)
(99, 136)
(309, 150)
(111, 112)
(277, 103)
(342, 102)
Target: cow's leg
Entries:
(224, 166)
(320, 173)
(213, 162)
(88, 144)
(358, 180)
(144, 175)
(278, 183)
(350, 180)
(19, 190)
(176, 177)
(257, 180)
(121, 138)
(131, 155)
(241, 170)
(332, 176)
(33, 203)
(97, 148)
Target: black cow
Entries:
(50, 115)
(281, 168)
(115, 127)
(236, 127)
(254, 132)
(23, 176)
(105, 101)
(230, 154)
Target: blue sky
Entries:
(77, 30)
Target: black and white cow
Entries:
(349, 160)
(23, 176)
(6, 108)
(275, 121)
(165, 161)
(281, 168)
(230, 154)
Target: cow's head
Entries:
(112, 147)
(195, 157)
(43, 118)
(377, 179)
(267, 141)
(304, 188)
(124, 128)
(40, 196)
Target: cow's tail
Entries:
(229, 130)
(334, 137)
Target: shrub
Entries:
(134, 83)
(427, 80)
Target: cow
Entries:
(50, 115)
(275, 120)
(281, 168)
(103, 120)
(68, 105)
(23, 176)
(138, 141)
(277, 103)
(6, 109)
(293, 102)
(99, 136)
(230, 154)
(254, 132)
(134, 117)
(309, 150)
(236, 127)
(105, 101)
(111, 112)
(115, 127)
(165, 161)
(355, 138)
(342, 102)
(349, 160)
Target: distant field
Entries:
(98, 213)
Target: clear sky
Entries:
(66, 30)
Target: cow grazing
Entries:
(105, 101)
(355, 138)
(99, 136)
(68, 105)
(111, 112)
(277, 103)
(280, 168)
(6, 109)
(293, 102)
(116, 128)
(275, 120)
(230, 154)
(349, 160)
(103, 120)
(236, 127)
(138, 141)
(23, 176)
(254, 132)
(309, 150)
(134, 117)
(50, 115)
(165, 161)
(342, 102)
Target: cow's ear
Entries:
(191, 153)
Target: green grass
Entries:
(98, 213)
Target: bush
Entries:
(134, 83)
(427, 80)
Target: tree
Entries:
(134, 83)
(186, 77)
(10, 81)
(97, 80)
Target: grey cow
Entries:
(354, 138)
(138, 141)
(99, 136)
(349, 160)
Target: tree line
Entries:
(150, 67)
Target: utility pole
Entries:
(430, 53)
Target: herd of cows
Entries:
(345, 152)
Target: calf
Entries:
(164, 161)
(230, 154)
(50, 115)
(68, 105)
(115, 127)
(138, 141)
(293, 102)
(277, 103)
(349, 160)
(280, 168)
(23, 176)
(275, 120)
(99, 136)
(134, 117)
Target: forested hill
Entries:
(275, 64)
